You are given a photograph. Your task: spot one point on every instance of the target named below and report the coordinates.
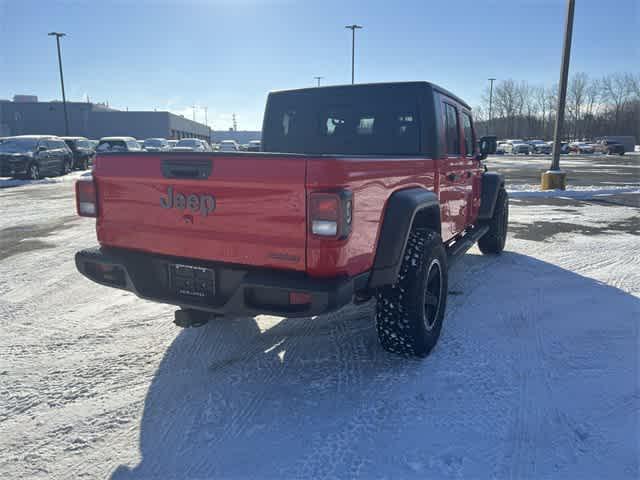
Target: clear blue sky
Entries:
(228, 54)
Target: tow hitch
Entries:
(188, 317)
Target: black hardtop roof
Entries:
(379, 84)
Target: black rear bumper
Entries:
(239, 290)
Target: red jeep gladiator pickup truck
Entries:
(362, 191)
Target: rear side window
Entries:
(452, 130)
(469, 140)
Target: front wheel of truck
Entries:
(494, 240)
(410, 312)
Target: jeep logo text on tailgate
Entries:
(205, 204)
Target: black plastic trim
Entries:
(491, 184)
(399, 215)
(191, 169)
(239, 286)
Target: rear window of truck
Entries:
(327, 122)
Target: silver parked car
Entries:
(192, 145)
(156, 145)
(539, 146)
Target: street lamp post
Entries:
(353, 29)
(491, 102)
(194, 112)
(555, 178)
(64, 97)
(318, 79)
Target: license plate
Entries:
(193, 281)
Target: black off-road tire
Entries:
(33, 171)
(67, 167)
(494, 240)
(410, 312)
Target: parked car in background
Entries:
(564, 147)
(82, 151)
(172, 143)
(581, 148)
(229, 146)
(514, 147)
(609, 147)
(118, 144)
(34, 156)
(539, 146)
(94, 143)
(156, 145)
(192, 145)
(2, 139)
(254, 146)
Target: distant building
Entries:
(240, 136)
(25, 98)
(26, 117)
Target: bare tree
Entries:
(616, 89)
(576, 96)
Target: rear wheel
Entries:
(67, 165)
(494, 240)
(33, 172)
(410, 312)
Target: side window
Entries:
(287, 121)
(452, 130)
(469, 140)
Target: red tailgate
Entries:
(249, 210)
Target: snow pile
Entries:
(577, 192)
(6, 182)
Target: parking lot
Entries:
(536, 373)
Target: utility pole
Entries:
(353, 29)
(555, 178)
(64, 97)
(205, 116)
(235, 124)
(491, 103)
(318, 79)
(194, 112)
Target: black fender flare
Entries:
(403, 209)
(492, 182)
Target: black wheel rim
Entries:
(432, 294)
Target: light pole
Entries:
(205, 116)
(491, 102)
(64, 97)
(318, 79)
(353, 29)
(194, 112)
(555, 178)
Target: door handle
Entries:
(452, 177)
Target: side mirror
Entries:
(488, 146)
(42, 148)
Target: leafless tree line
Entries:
(595, 107)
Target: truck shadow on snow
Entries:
(319, 398)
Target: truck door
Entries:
(452, 175)
(473, 174)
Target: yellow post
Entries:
(554, 180)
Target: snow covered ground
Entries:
(536, 374)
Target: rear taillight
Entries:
(331, 213)
(86, 198)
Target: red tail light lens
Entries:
(330, 213)
(86, 198)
